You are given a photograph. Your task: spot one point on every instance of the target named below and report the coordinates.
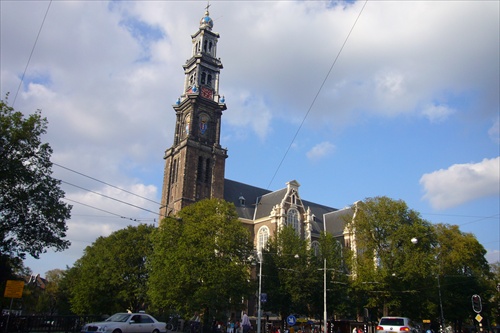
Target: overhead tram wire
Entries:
(108, 197)
(317, 94)
(31, 54)
(103, 182)
(107, 211)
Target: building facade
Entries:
(194, 165)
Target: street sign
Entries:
(263, 297)
(14, 289)
(478, 317)
(291, 320)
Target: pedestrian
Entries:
(245, 323)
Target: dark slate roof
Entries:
(268, 201)
(335, 221)
(259, 202)
(234, 190)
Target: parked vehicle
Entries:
(396, 325)
(127, 323)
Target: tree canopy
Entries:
(404, 264)
(32, 215)
(201, 261)
(112, 274)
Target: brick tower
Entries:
(194, 165)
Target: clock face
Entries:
(207, 93)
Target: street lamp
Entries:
(414, 240)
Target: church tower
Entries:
(194, 165)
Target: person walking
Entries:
(245, 323)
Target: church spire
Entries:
(194, 165)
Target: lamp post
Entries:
(324, 296)
(414, 240)
(325, 317)
(259, 254)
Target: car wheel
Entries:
(156, 331)
(117, 331)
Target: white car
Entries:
(127, 323)
(396, 325)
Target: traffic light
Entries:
(476, 303)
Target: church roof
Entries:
(243, 196)
(335, 222)
(253, 203)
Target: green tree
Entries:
(200, 261)
(112, 274)
(287, 279)
(384, 265)
(463, 270)
(51, 297)
(32, 215)
(495, 299)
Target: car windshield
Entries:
(119, 317)
(392, 321)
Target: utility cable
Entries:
(108, 197)
(103, 182)
(31, 54)
(106, 211)
(317, 94)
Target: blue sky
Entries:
(401, 102)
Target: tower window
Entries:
(203, 77)
(205, 46)
(208, 170)
(174, 172)
(199, 176)
(209, 80)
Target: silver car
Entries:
(396, 325)
(127, 323)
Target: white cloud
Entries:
(437, 113)
(462, 183)
(320, 151)
(494, 131)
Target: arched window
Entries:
(292, 219)
(208, 170)
(199, 176)
(315, 248)
(262, 238)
